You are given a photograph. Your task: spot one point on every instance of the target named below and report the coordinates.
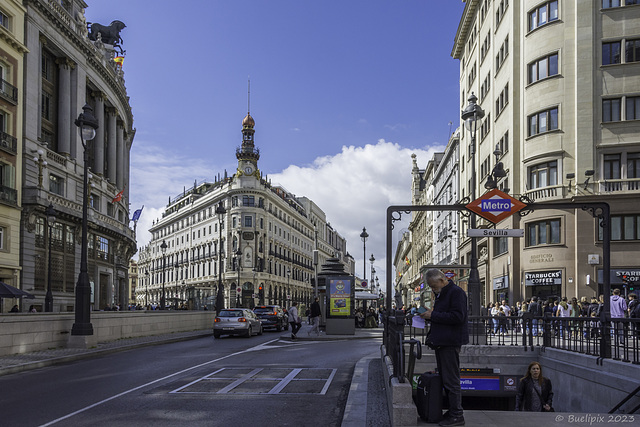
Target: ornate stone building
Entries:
(261, 248)
(64, 70)
(12, 50)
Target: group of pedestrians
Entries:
(505, 318)
(295, 321)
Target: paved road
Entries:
(261, 381)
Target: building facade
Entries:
(64, 70)
(433, 236)
(12, 50)
(259, 247)
(558, 82)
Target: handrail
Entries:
(625, 400)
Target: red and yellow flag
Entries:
(119, 60)
(118, 197)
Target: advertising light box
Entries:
(341, 294)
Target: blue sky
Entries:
(342, 93)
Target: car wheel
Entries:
(249, 332)
(260, 330)
(216, 334)
(279, 328)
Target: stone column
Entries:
(98, 141)
(120, 156)
(126, 169)
(64, 106)
(111, 145)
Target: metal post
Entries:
(51, 219)
(471, 115)
(364, 236)
(82, 326)
(220, 211)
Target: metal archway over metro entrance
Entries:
(598, 210)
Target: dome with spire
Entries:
(248, 121)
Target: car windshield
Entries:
(230, 313)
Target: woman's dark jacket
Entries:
(526, 390)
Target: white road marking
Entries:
(239, 381)
(86, 408)
(283, 382)
(278, 388)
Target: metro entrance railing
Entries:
(584, 335)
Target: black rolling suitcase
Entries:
(429, 397)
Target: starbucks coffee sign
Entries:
(541, 278)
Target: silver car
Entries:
(236, 321)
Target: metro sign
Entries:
(495, 206)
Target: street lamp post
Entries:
(373, 272)
(238, 257)
(146, 291)
(289, 284)
(471, 115)
(220, 211)
(364, 236)
(82, 325)
(315, 263)
(163, 299)
(50, 212)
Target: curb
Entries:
(355, 411)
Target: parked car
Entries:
(236, 321)
(272, 317)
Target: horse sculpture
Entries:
(109, 34)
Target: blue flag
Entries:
(136, 214)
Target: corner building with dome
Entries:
(261, 248)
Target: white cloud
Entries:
(156, 176)
(354, 188)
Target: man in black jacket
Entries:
(447, 334)
(536, 310)
(315, 317)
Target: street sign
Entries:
(449, 274)
(495, 232)
(495, 206)
(364, 284)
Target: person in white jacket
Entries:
(294, 320)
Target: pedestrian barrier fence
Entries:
(617, 338)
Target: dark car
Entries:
(272, 317)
